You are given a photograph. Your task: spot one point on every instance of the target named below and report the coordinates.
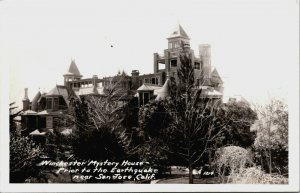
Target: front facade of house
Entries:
(43, 111)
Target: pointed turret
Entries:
(179, 33)
(217, 81)
(72, 74)
(73, 69)
(178, 38)
(216, 77)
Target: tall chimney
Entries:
(135, 79)
(95, 77)
(205, 57)
(26, 102)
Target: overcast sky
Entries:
(254, 42)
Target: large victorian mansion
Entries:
(41, 112)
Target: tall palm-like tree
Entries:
(12, 117)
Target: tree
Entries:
(24, 153)
(12, 117)
(131, 112)
(238, 131)
(197, 120)
(153, 121)
(99, 131)
(272, 135)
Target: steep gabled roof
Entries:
(146, 87)
(54, 91)
(73, 69)
(164, 91)
(34, 103)
(179, 32)
(42, 97)
(64, 93)
(216, 77)
(59, 91)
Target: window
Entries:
(55, 103)
(173, 63)
(146, 80)
(49, 103)
(161, 66)
(49, 122)
(146, 98)
(153, 81)
(141, 99)
(42, 122)
(198, 82)
(173, 45)
(55, 122)
(62, 104)
(197, 65)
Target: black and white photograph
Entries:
(195, 95)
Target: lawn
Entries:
(185, 180)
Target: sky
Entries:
(255, 43)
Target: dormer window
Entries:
(49, 103)
(52, 103)
(55, 103)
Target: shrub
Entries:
(24, 155)
(230, 159)
(254, 175)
